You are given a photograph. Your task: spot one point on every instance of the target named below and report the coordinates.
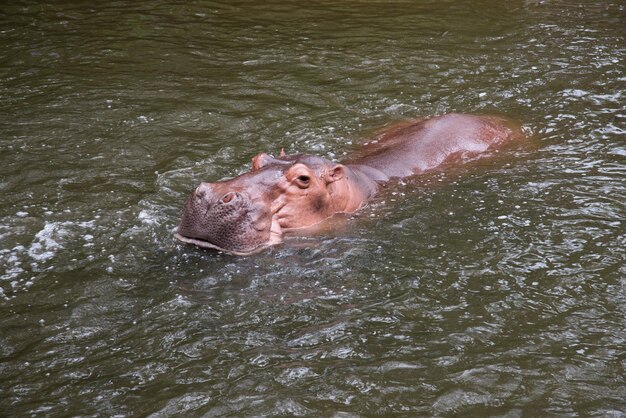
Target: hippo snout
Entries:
(219, 217)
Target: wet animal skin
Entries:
(288, 193)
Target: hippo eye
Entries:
(304, 181)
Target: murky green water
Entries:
(492, 289)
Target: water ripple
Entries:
(492, 288)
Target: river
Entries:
(495, 288)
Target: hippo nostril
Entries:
(202, 190)
(229, 197)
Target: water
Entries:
(496, 288)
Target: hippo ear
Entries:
(335, 173)
(261, 160)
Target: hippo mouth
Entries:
(209, 245)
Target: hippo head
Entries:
(250, 212)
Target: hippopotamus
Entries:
(289, 193)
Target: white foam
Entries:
(49, 240)
(575, 93)
(46, 244)
(148, 218)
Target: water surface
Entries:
(496, 288)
